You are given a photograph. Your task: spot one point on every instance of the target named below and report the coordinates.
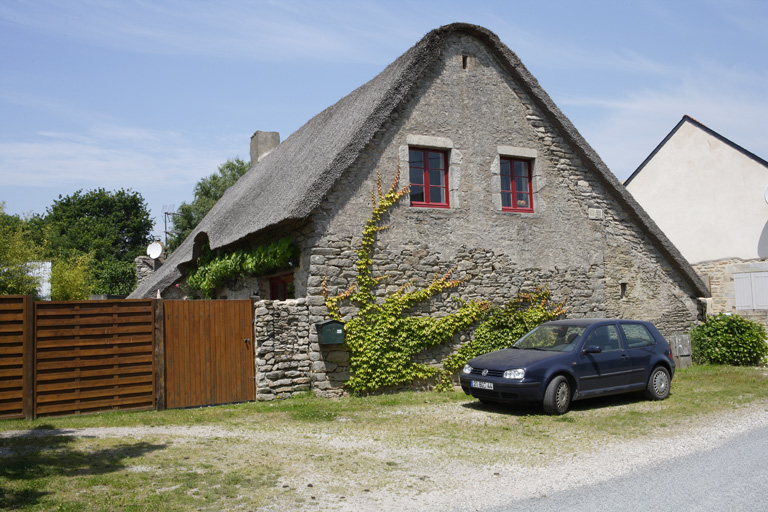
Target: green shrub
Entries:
(729, 339)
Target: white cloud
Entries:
(261, 31)
(109, 156)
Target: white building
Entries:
(709, 196)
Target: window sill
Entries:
(430, 205)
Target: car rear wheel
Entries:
(557, 397)
(658, 384)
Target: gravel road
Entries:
(445, 482)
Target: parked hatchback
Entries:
(566, 360)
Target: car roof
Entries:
(586, 322)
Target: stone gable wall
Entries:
(579, 242)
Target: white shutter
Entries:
(760, 290)
(743, 286)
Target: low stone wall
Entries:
(288, 358)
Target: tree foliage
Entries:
(114, 226)
(17, 252)
(70, 277)
(729, 339)
(207, 191)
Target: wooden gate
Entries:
(209, 357)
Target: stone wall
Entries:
(288, 359)
(720, 276)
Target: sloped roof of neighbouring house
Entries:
(293, 180)
(706, 129)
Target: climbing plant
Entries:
(214, 268)
(382, 339)
(505, 325)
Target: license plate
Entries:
(479, 384)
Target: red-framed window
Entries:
(281, 287)
(516, 185)
(429, 177)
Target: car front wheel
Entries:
(658, 384)
(557, 397)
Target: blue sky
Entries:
(154, 95)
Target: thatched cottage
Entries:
(503, 188)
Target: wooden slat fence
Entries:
(15, 356)
(93, 355)
(59, 358)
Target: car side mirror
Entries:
(592, 349)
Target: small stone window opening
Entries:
(623, 290)
(464, 60)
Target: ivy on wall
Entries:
(214, 268)
(507, 324)
(382, 340)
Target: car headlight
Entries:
(517, 374)
(467, 369)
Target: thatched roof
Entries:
(293, 180)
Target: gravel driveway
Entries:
(427, 478)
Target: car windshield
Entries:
(558, 338)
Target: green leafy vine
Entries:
(506, 325)
(214, 268)
(382, 340)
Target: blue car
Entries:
(566, 360)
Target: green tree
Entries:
(17, 251)
(112, 227)
(71, 278)
(207, 191)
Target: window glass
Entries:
(506, 183)
(417, 176)
(436, 178)
(436, 160)
(516, 185)
(416, 158)
(637, 335)
(436, 195)
(558, 338)
(606, 337)
(428, 177)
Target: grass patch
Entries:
(290, 454)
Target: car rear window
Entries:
(637, 335)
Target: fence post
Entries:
(28, 363)
(159, 362)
